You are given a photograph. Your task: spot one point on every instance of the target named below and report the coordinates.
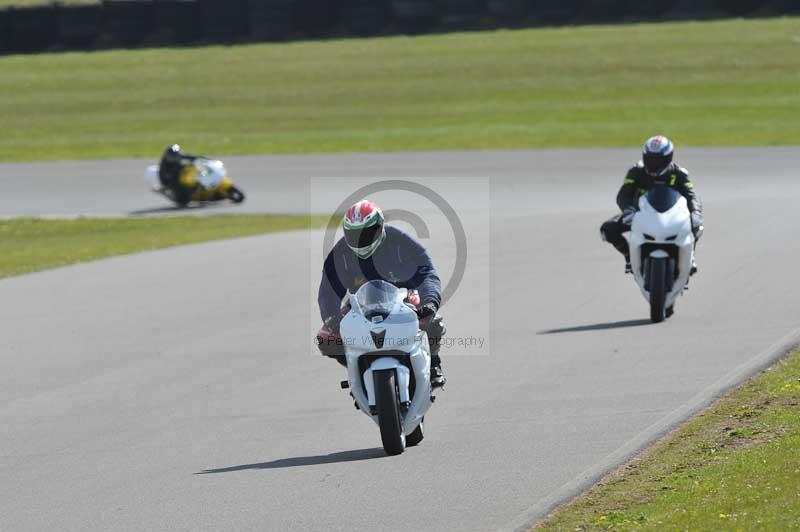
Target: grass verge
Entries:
(29, 244)
(735, 466)
(732, 82)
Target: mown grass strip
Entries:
(735, 466)
(30, 244)
(732, 82)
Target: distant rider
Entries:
(655, 168)
(371, 250)
(176, 172)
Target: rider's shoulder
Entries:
(339, 248)
(682, 171)
(636, 171)
(679, 172)
(395, 235)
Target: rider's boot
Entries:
(692, 271)
(628, 268)
(436, 329)
(437, 375)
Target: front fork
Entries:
(403, 380)
(659, 254)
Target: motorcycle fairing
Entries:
(661, 232)
(404, 345)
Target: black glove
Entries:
(328, 340)
(332, 322)
(427, 310)
(628, 214)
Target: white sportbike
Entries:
(662, 249)
(388, 363)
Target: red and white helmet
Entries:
(363, 228)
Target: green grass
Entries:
(736, 466)
(28, 245)
(734, 82)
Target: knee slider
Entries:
(604, 230)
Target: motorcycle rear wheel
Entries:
(388, 407)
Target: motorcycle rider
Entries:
(371, 250)
(176, 172)
(655, 168)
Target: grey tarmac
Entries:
(180, 390)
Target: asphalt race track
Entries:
(180, 390)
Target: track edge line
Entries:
(576, 487)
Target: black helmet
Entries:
(657, 155)
(172, 154)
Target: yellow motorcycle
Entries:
(206, 178)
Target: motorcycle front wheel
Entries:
(235, 195)
(388, 406)
(659, 287)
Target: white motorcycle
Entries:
(207, 178)
(388, 363)
(662, 249)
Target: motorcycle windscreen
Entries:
(663, 198)
(211, 173)
(377, 298)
